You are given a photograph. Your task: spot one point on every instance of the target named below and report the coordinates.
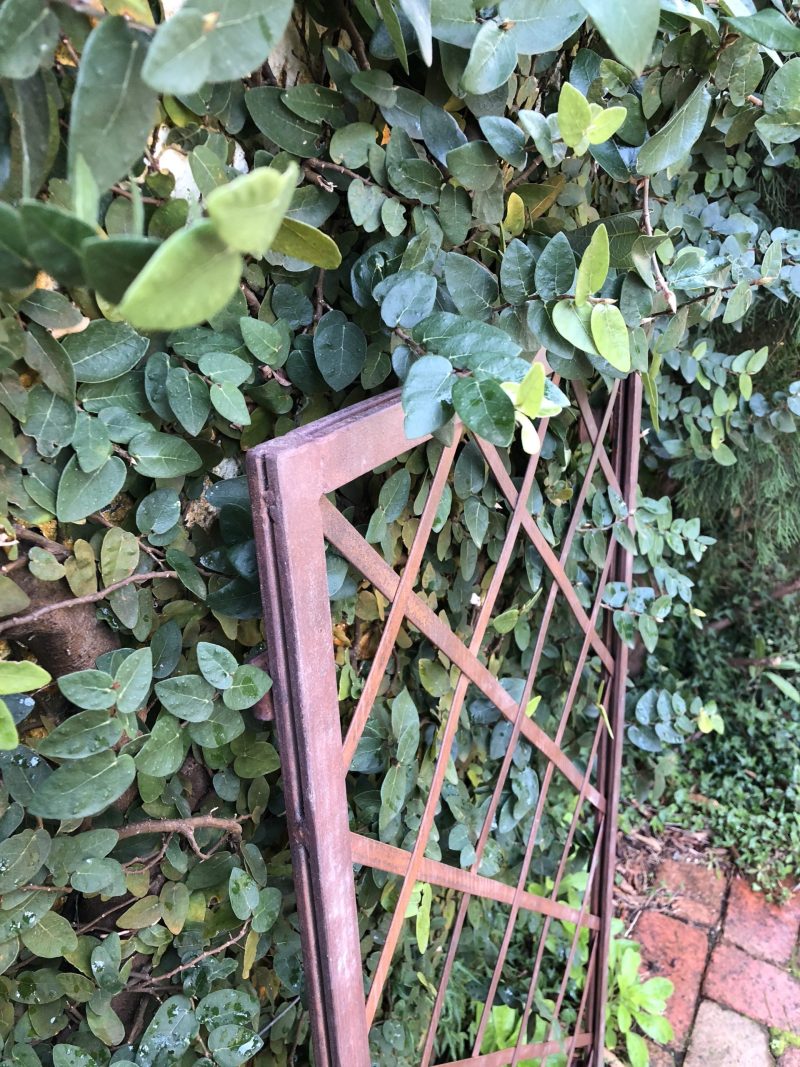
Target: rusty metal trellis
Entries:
(291, 479)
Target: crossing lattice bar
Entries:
(294, 481)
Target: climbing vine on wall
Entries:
(224, 219)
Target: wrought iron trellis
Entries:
(291, 479)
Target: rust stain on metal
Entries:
(290, 481)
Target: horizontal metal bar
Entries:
(383, 857)
(504, 1057)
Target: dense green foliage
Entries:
(225, 221)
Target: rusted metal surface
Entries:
(291, 480)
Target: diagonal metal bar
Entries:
(350, 544)
(545, 551)
(589, 421)
(397, 612)
(440, 769)
(518, 720)
(587, 988)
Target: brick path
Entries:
(734, 960)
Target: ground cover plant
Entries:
(226, 220)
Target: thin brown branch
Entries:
(88, 598)
(520, 178)
(156, 978)
(185, 827)
(356, 39)
(777, 593)
(33, 538)
(661, 281)
(323, 164)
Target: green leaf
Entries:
(229, 402)
(770, 28)
(472, 286)
(21, 677)
(217, 664)
(676, 139)
(593, 268)
(574, 324)
(474, 165)
(12, 598)
(243, 893)
(319, 104)
(248, 212)
(88, 689)
(80, 494)
(406, 298)
(308, 244)
(133, 679)
(28, 35)
(21, 857)
(187, 696)
(574, 116)
(492, 59)
(188, 397)
(104, 350)
(112, 263)
(485, 409)
(54, 239)
(637, 1050)
(427, 393)
(340, 349)
(248, 686)
(83, 788)
(784, 685)
(610, 335)
(191, 48)
(119, 555)
(543, 26)
(279, 124)
(113, 111)
(47, 357)
(51, 421)
(170, 1033)
(162, 455)
(232, 1046)
(81, 735)
(165, 749)
(190, 278)
(188, 573)
(628, 27)
(555, 269)
(405, 727)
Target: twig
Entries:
(319, 296)
(356, 39)
(777, 593)
(33, 538)
(668, 294)
(96, 922)
(89, 598)
(278, 1017)
(520, 178)
(120, 190)
(323, 164)
(186, 827)
(193, 962)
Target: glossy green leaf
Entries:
(610, 335)
(307, 243)
(80, 494)
(83, 788)
(485, 408)
(340, 349)
(627, 26)
(673, 141)
(492, 58)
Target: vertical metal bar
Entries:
(316, 795)
(626, 459)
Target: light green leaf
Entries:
(133, 679)
(574, 115)
(307, 243)
(248, 686)
(162, 455)
(610, 335)
(785, 686)
(248, 212)
(187, 696)
(21, 677)
(9, 738)
(593, 268)
(190, 278)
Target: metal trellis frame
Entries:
(292, 479)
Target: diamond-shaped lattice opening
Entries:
(428, 816)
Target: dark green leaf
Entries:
(485, 408)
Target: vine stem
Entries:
(88, 598)
(185, 827)
(193, 962)
(661, 281)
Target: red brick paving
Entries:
(753, 988)
(674, 950)
(760, 928)
(698, 891)
(790, 1058)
